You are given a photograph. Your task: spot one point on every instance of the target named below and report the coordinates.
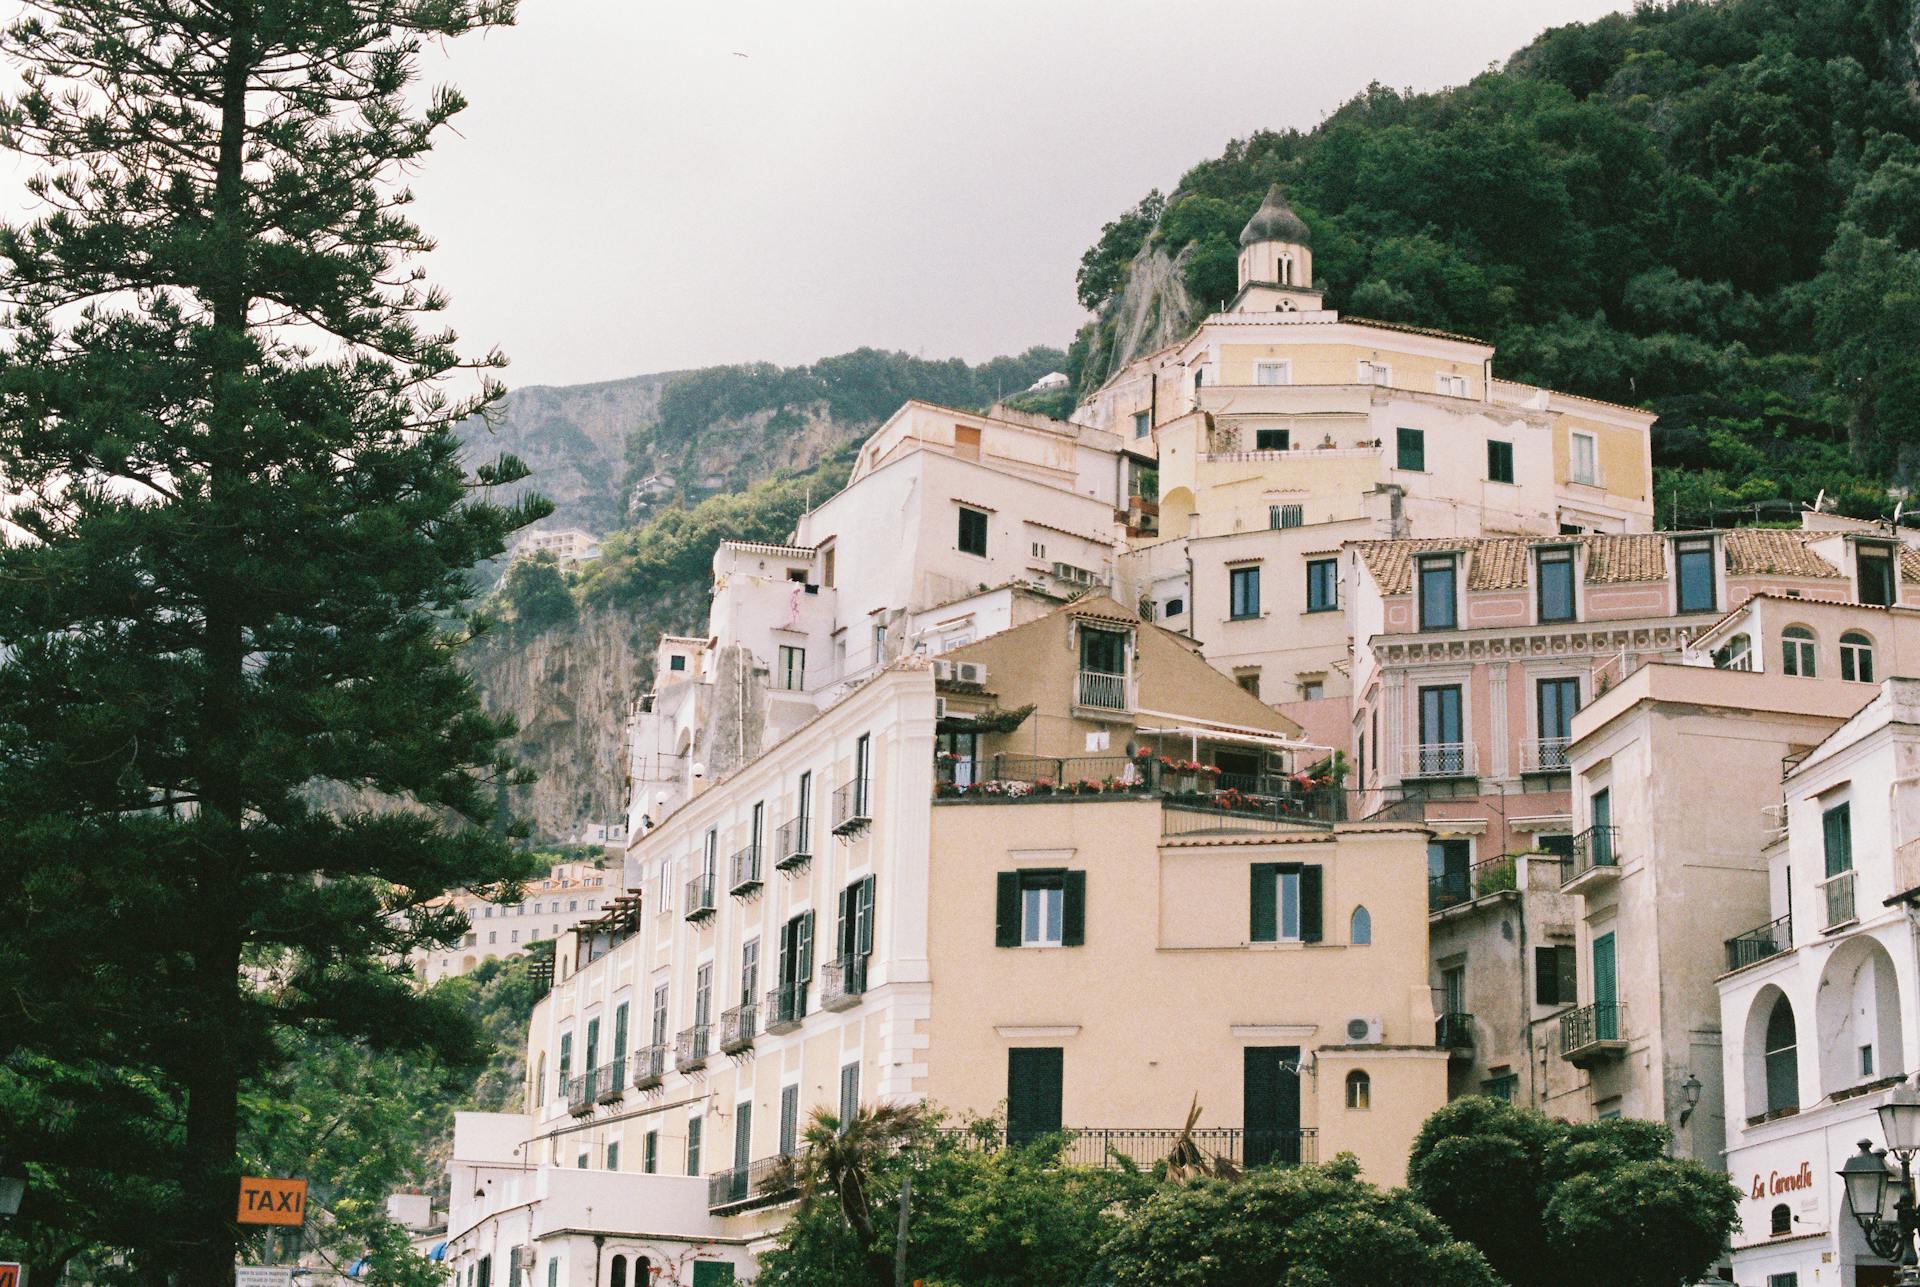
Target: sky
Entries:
(641, 186)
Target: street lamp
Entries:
(1881, 1202)
(1690, 1089)
(12, 1189)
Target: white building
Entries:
(566, 544)
(552, 904)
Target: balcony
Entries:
(1439, 760)
(1836, 894)
(1757, 945)
(852, 807)
(580, 1094)
(744, 869)
(1595, 859)
(758, 1184)
(647, 1066)
(786, 1007)
(1463, 886)
(1142, 1147)
(738, 1027)
(699, 898)
(1593, 1035)
(792, 843)
(842, 982)
(1453, 1032)
(1545, 755)
(612, 1079)
(1102, 692)
(690, 1051)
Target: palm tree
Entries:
(838, 1160)
(1186, 1160)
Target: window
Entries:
(703, 995)
(1249, 681)
(1737, 654)
(613, 1156)
(1437, 609)
(1583, 459)
(1279, 516)
(1558, 699)
(1694, 574)
(749, 971)
(1796, 651)
(1779, 1224)
(1323, 585)
(566, 1062)
(1411, 449)
(1856, 657)
(1174, 608)
(1866, 1061)
(1375, 373)
(1034, 1076)
(553, 1272)
(1312, 690)
(1359, 1090)
(973, 532)
(659, 1016)
(693, 1146)
(789, 1120)
(1553, 576)
(1836, 827)
(1873, 563)
(849, 1093)
(676, 662)
(650, 1152)
(1041, 908)
(1449, 863)
(1273, 373)
(1781, 1059)
(793, 669)
(1499, 461)
(1142, 423)
(879, 643)
(1285, 903)
(1244, 592)
(617, 1277)
(1360, 927)
(1272, 440)
(1554, 975)
(1453, 386)
(1571, 529)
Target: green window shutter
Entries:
(1073, 909)
(843, 926)
(1310, 904)
(803, 952)
(1006, 910)
(1266, 917)
(863, 917)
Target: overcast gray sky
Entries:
(642, 186)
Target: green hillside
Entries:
(1709, 209)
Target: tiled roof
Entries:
(1909, 566)
(1500, 563)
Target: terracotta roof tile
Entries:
(1758, 551)
(1618, 559)
(1500, 563)
(1909, 565)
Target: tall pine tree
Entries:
(233, 599)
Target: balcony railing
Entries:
(738, 1027)
(1593, 1034)
(612, 1079)
(744, 868)
(699, 898)
(1544, 755)
(792, 842)
(1837, 891)
(1454, 1031)
(786, 1007)
(842, 982)
(1757, 945)
(580, 1093)
(647, 1066)
(1103, 692)
(691, 1049)
(1596, 851)
(1440, 760)
(1143, 1146)
(851, 806)
(1454, 888)
(761, 1183)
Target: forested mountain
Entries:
(1709, 209)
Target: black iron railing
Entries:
(1454, 1031)
(786, 1007)
(580, 1093)
(738, 1027)
(691, 1049)
(1146, 1146)
(851, 806)
(1756, 945)
(647, 1066)
(1591, 1027)
(612, 1079)
(1595, 849)
(842, 982)
(759, 1183)
(744, 869)
(792, 842)
(699, 898)
(1463, 885)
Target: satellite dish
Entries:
(1898, 509)
(1820, 501)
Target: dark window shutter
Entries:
(1569, 982)
(1073, 909)
(1266, 920)
(863, 917)
(1310, 904)
(1546, 975)
(1033, 1091)
(803, 949)
(1006, 915)
(843, 926)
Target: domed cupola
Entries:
(1276, 246)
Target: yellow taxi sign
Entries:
(268, 1201)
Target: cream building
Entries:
(566, 544)
(552, 904)
(1817, 1003)
(1100, 955)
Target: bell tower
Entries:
(1276, 251)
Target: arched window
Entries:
(1856, 657)
(1359, 1090)
(642, 1272)
(617, 1277)
(1782, 1059)
(1796, 651)
(1360, 929)
(1284, 270)
(1780, 1220)
(1736, 654)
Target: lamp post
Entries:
(13, 1188)
(1881, 1202)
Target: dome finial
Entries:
(1276, 221)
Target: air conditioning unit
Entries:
(942, 670)
(1363, 1030)
(970, 672)
(939, 708)
(523, 1257)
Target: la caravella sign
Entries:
(1778, 1184)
